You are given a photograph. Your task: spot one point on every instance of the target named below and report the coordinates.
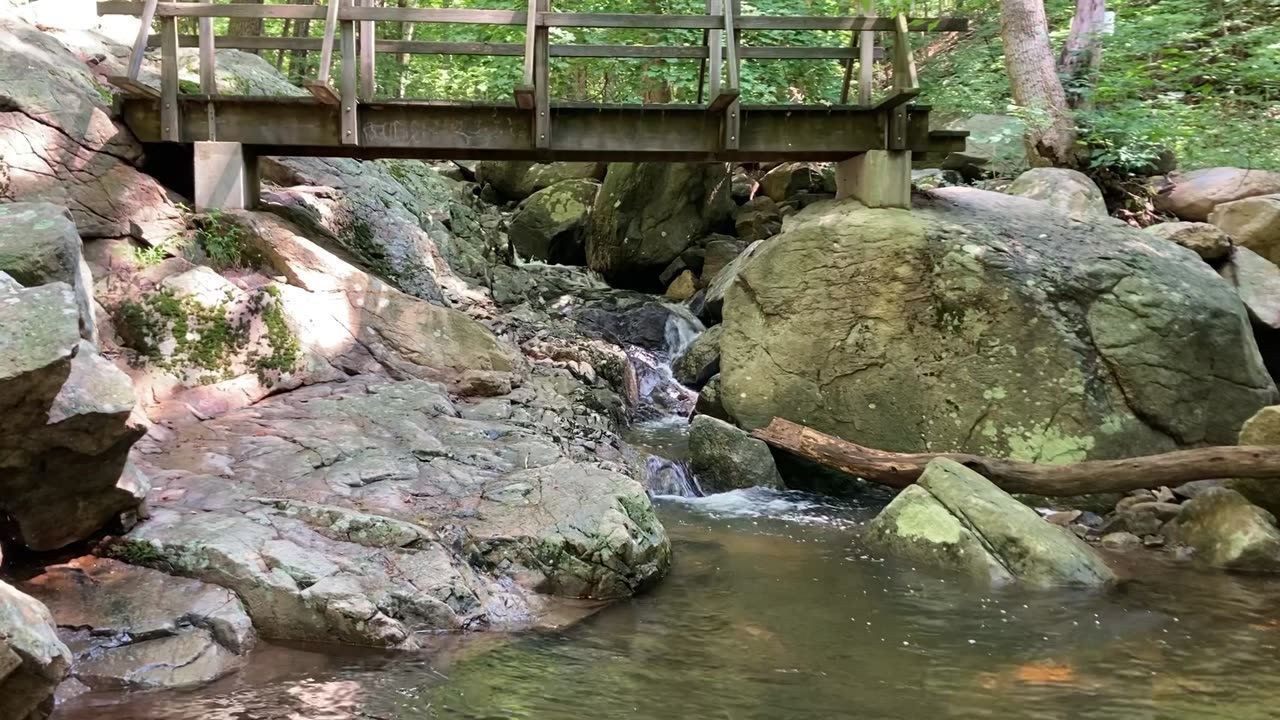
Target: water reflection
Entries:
(768, 617)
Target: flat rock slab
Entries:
(133, 627)
(371, 512)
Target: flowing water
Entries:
(773, 610)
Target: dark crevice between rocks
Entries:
(172, 165)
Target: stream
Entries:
(774, 611)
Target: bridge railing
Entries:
(349, 28)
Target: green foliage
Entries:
(221, 241)
(282, 343)
(133, 552)
(1197, 80)
(149, 255)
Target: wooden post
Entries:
(368, 64)
(732, 110)
(140, 43)
(208, 73)
(320, 86)
(715, 45)
(525, 92)
(866, 56)
(349, 83)
(170, 117)
(542, 82)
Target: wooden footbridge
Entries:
(874, 137)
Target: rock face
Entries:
(326, 321)
(1226, 531)
(1070, 191)
(1194, 195)
(140, 629)
(60, 144)
(991, 324)
(1207, 241)
(67, 424)
(725, 458)
(695, 366)
(956, 520)
(551, 224)
(1261, 429)
(648, 213)
(516, 180)
(1253, 223)
(370, 512)
(32, 658)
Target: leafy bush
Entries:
(221, 241)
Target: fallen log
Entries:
(899, 470)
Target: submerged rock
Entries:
(724, 457)
(954, 519)
(371, 512)
(134, 628)
(33, 661)
(985, 323)
(1227, 531)
(1070, 191)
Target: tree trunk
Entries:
(298, 58)
(1081, 56)
(899, 470)
(402, 59)
(1028, 59)
(246, 27)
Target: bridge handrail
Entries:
(722, 20)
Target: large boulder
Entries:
(1070, 191)
(724, 457)
(647, 214)
(986, 323)
(757, 219)
(1225, 530)
(719, 251)
(954, 519)
(39, 244)
(515, 180)
(59, 143)
(790, 179)
(67, 424)
(375, 513)
(1207, 241)
(550, 225)
(711, 306)
(1194, 195)
(33, 661)
(1253, 223)
(134, 628)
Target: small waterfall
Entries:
(664, 476)
(682, 328)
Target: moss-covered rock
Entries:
(1227, 531)
(956, 520)
(550, 225)
(724, 457)
(986, 323)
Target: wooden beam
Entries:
(139, 44)
(896, 98)
(436, 15)
(349, 82)
(170, 119)
(330, 34)
(904, 62)
(542, 82)
(179, 9)
(133, 88)
(368, 56)
(857, 22)
(524, 93)
(899, 470)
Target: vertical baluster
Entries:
(170, 118)
(348, 84)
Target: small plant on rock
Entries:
(221, 241)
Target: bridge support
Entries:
(876, 178)
(226, 177)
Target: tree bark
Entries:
(298, 58)
(246, 27)
(1033, 77)
(899, 470)
(1082, 55)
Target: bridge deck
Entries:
(426, 130)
